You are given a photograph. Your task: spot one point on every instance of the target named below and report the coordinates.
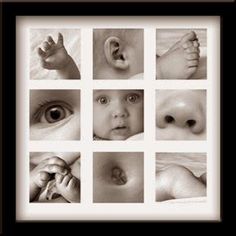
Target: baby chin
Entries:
(120, 133)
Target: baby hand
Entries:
(41, 174)
(68, 186)
(54, 55)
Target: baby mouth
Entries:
(120, 130)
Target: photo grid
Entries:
(117, 121)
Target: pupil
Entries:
(55, 114)
(103, 100)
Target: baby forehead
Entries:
(112, 92)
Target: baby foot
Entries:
(181, 60)
(69, 187)
(54, 55)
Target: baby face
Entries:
(181, 114)
(118, 177)
(54, 114)
(118, 114)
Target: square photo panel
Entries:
(181, 54)
(181, 177)
(118, 177)
(118, 114)
(55, 177)
(118, 54)
(55, 54)
(181, 114)
(54, 114)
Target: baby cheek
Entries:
(101, 123)
(68, 131)
(136, 115)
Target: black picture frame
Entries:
(10, 10)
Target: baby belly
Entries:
(118, 178)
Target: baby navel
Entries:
(118, 176)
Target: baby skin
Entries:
(54, 56)
(176, 181)
(68, 186)
(181, 60)
(118, 177)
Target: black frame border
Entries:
(10, 10)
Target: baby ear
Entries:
(115, 54)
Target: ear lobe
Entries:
(115, 54)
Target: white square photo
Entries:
(117, 118)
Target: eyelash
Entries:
(133, 94)
(42, 108)
(98, 99)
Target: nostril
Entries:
(191, 123)
(169, 119)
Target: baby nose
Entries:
(119, 112)
(182, 112)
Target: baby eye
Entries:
(133, 98)
(103, 100)
(52, 113)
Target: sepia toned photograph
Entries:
(181, 176)
(118, 177)
(181, 54)
(181, 114)
(118, 114)
(55, 54)
(118, 54)
(55, 177)
(54, 114)
(119, 144)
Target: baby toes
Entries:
(187, 44)
(192, 70)
(192, 50)
(188, 37)
(192, 63)
(191, 56)
(196, 43)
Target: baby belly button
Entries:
(118, 176)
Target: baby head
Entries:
(118, 114)
(54, 114)
(117, 53)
